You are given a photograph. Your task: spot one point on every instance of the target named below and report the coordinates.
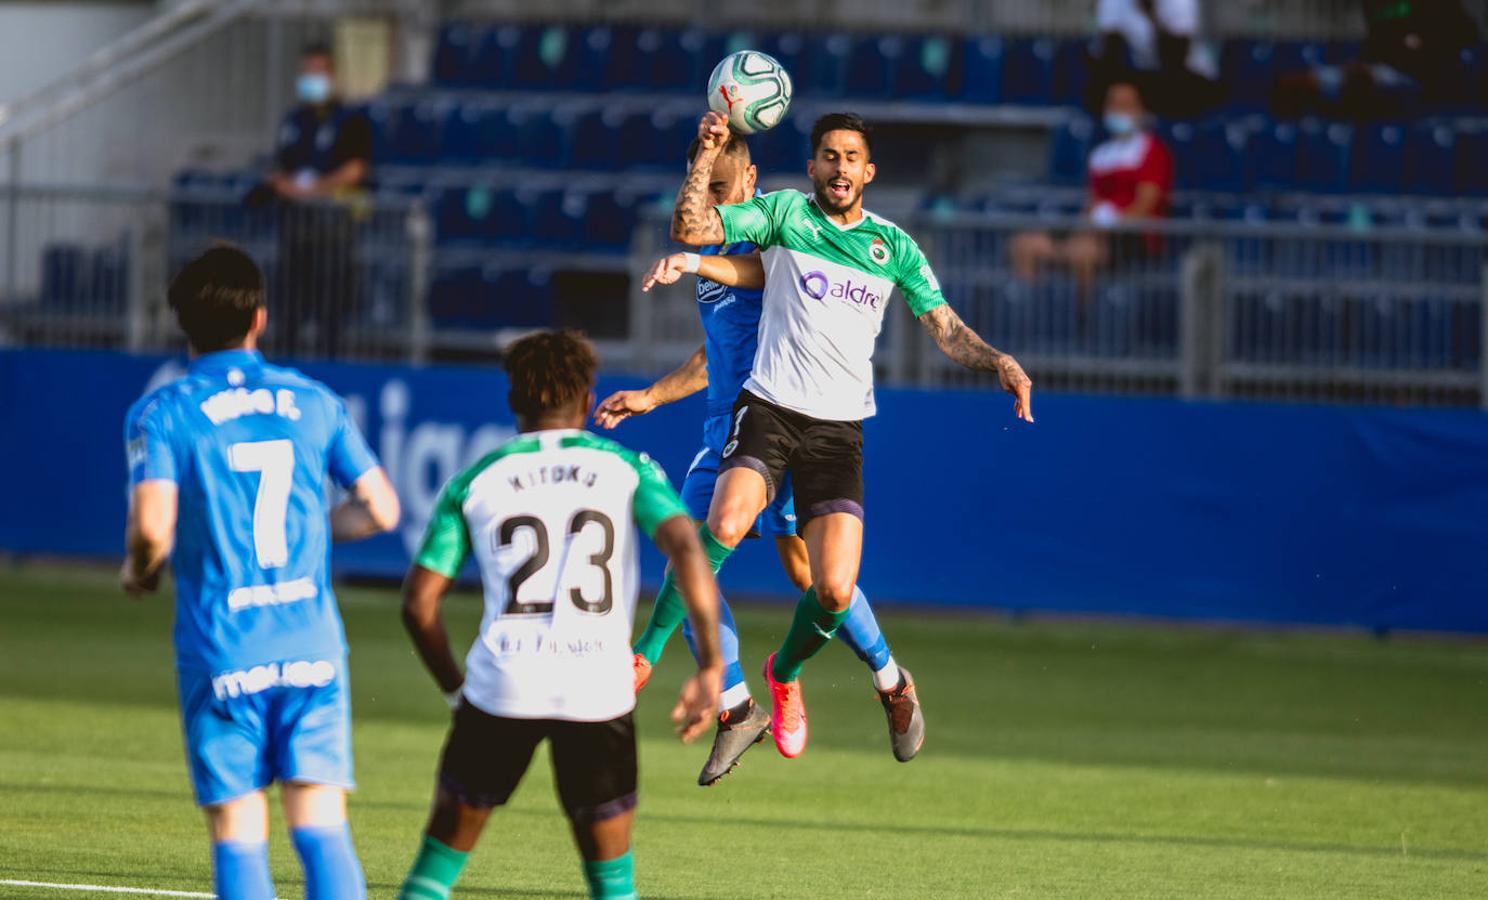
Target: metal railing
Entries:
(89, 267)
(1199, 309)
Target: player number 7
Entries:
(274, 461)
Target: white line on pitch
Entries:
(106, 889)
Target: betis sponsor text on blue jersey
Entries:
(249, 446)
(731, 319)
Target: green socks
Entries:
(669, 610)
(433, 873)
(810, 630)
(612, 879)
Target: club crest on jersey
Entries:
(878, 251)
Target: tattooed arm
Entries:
(694, 221)
(963, 346)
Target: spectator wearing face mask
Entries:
(1131, 179)
(321, 166)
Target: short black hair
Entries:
(317, 48)
(216, 297)
(549, 371)
(844, 121)
(736, 147)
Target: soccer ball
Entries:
(752, 89)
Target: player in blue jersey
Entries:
(227, 470)
(731, 318)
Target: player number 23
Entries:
(506, 536)
(274, 462)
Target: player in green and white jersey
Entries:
(830, 267)
(552, 520)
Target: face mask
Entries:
(313, 88)
(1120, 123)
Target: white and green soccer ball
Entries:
(752, 89)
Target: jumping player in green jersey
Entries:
(830, 267)
(552, 519)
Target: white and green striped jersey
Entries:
(550, 518)
(827, 287)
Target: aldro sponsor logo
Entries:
(818, 286)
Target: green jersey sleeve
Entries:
(655, 499)
(446, 541)
(759, 220)
(916, 280)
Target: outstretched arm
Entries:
(963, 345)
(743, 270)
(423, 594)
(683, 381)
(694, 220)
(371, 507)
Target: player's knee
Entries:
(729, 527)
(835, 593)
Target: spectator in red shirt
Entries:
(1131, 178)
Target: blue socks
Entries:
(240, 871)
(332, 871)
(860, 631)
(728, 644)
(612, 879)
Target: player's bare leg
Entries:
(739, 498)
(453, 829)
(605, 846)
(795, 560)
(317, 826)
(240, 856)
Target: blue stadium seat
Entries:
(1247, 68)
(455, 54)
(1069, 150)
(557, 58)
(677, 61)
(462, 137)
(1070, 77)
(494, 65)
(1467, 87)
(610, 220)
(595, 138)
(557, 217)
(825, 69)
(1220, 148)
(1472, 150)
(1272, 155)
(414, 131)
(1380, 159)
(540, 137)
(519, 298)
(782, 148)
(1028, 71)
(981, 70)
(789, 49)
(63, 276)
(1324, 156)
(1431, 158)
(454, 297)
(655, 141)
(926, 68)
(870, 66)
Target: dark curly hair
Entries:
(550, 371)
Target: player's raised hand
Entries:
(1016, 382)
(667, 270)
(698, 703)
(713, 131)
(620, 406)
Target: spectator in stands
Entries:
(1411, 59)
(1131, 178)
(1157, 45)
(323, 162)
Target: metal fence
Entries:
(1201, 309)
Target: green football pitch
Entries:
(1063, 759)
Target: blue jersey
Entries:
(731, 319)
(249, 446)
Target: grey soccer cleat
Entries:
(738, 729)
(906, 722)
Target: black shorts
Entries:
(594, 763)
(824, 457)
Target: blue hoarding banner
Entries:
(1248, 512)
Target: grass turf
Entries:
(1062, 760)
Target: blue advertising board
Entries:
(1157, 507)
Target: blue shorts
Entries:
(248, 728)
(778, 519)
